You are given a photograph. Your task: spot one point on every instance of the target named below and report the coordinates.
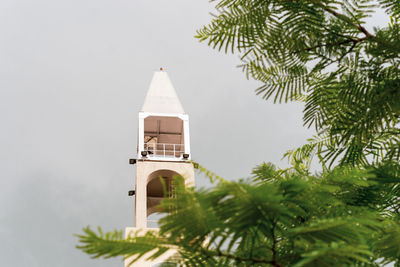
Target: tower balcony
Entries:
(164, 151)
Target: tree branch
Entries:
(354, 41)
(273, 249)
(345, 19)
(325, 45)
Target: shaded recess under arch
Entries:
(155, 189)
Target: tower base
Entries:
(142, 262)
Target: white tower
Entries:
(163, 151)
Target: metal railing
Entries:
(164, 150)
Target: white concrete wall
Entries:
(143, 262)
(144, 172)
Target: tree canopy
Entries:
(321, 52)
(348, 76)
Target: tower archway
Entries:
(155, 188)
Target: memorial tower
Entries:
(163, 151)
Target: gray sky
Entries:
(73, 76)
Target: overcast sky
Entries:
(73, 76)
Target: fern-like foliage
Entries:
(343, 217)
(320, 52)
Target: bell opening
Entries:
(163, 137)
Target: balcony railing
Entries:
(162, 150)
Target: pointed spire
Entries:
(161, 96)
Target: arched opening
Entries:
(155, 189)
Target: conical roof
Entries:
(161, 96)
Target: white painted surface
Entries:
(161, 97)
(163, 127)
(159, 118)
(143, 262)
